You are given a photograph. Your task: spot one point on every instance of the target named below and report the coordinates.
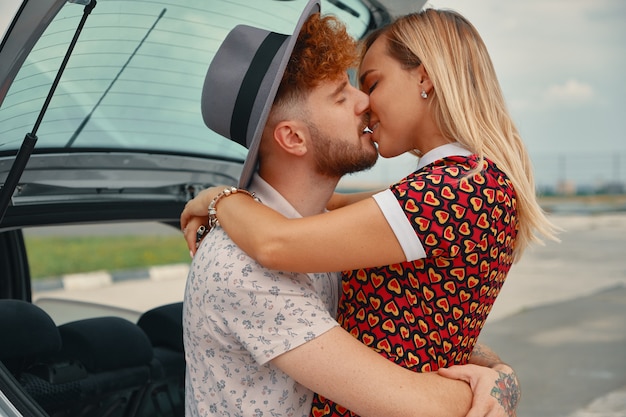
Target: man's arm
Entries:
(341, 368)
(482, 355)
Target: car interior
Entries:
(101, 366)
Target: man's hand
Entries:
(496, 389)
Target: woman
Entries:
(442, 239)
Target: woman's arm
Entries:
(351, 237)
(339, 200)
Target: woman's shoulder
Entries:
(446, 168)
(456, 172)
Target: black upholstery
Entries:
(166, 395)
(105, 343)
(28, 334)
(164, 326)
(102, 369)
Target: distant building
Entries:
(566, 187)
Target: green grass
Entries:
(55, 256)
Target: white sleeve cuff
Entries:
(400, 224)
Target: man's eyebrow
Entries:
(363, 76)
(339, 89)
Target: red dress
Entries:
(428, 313)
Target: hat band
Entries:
(251, 84)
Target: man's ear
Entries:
(291, 136)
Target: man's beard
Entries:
(336, 158)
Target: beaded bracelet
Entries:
(225, 193)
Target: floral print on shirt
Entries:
(237, 317)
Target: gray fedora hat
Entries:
(242, 81)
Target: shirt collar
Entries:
(443, 151)
(272, 198)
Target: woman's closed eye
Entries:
(372, 87)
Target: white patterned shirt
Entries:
(238, 316)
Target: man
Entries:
(257, 341)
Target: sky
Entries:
(562, 68)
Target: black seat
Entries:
(116, 357)
(28, 335)
(164, 327)
(93, 367)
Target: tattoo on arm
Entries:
(507, 391)
(482, 355)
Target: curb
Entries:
(98, 279)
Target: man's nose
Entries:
(363, 101)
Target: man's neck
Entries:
(308, 193)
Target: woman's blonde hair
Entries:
(467, 102)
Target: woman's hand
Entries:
(196, 215)
(496, 390)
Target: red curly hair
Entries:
(323, 51)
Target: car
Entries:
(100, 127)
